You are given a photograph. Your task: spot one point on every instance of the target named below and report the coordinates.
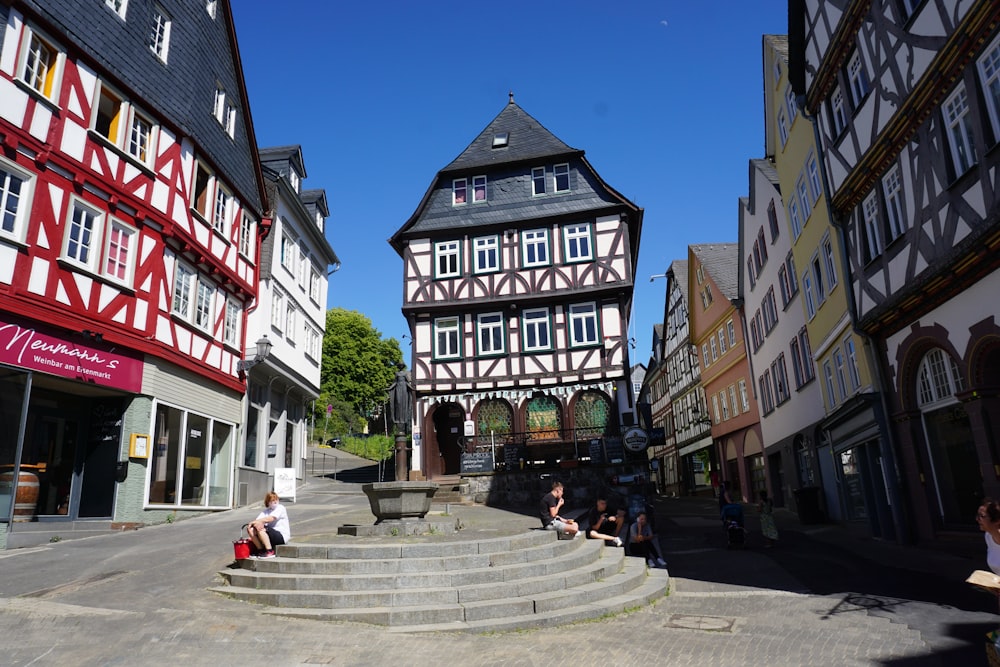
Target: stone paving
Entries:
(142, 598)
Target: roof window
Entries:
(500, 140)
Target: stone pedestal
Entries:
(399, 500)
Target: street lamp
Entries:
(263, 350)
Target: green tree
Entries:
(358, 366)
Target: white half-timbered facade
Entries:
(907, 97)
(130, 202)
(518, 268)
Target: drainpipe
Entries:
(887, 445)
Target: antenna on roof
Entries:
(511, 96)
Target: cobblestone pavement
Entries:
(818, 598)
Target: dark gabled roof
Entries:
(509, 200)
(279, 158)
(526, 140)
(203, 51)
(766, 168)
(679, 270)
(721, 262)
(317, 199)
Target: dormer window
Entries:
(478, 189)
(293, 180)
(561, 176)
(459, 191)
(500, 140)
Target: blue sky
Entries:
(666, 98)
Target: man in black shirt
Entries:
(606, 524)
(548, 510)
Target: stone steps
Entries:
(520, 581)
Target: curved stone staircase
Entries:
(521, 581)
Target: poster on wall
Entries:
(284, 482)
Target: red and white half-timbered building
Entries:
(518, 269)
(130, 202)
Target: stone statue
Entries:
(401, 401)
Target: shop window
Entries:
(591, 414)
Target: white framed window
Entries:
(817, 271)
(15, 200)
(807, 292)
(535, 247)
(231, 329)
(490, 334)
(828, 261)
(790, 104)
(447, 259)
(893, 190)
(184, 277)
(804, 199)
(838, 361)
(118, 122)
(781, 392)
(289, 253)
(246, 236)
(119, 252)
(304, 265)
(560, 177)
(838, 111)
(782, 127)
(536, 330)
(872, 230)
(229, 120)
(797, 370)
(291, 321)
(828, 375)
(812, 171)
(578, 246)
(446, 338)
(486, 254)
(858, 78)
(793, 217)
(714, 348)
(724, 402)
(219, 104)
(314, 284)
(744, 396)
(459, 191)
(960, 135)
(715, 408)
(772, 220)
(159, 33)
(704, 354)
(852, 363)
(538, 181)
(731, 330)
(770, 310)
(278, 310)
(203, 304)
(989, 74)
(119, 6)
(766, 392)
(478, 189)
(40, 65)
(732, 400)
(223, 211)
(938, 378)
(583, 326)
(808, 370)
(312, 342)
(82, 245)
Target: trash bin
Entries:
(807, 503)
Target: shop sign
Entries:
(31, 349)
(636, 440)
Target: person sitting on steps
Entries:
(605, 524)
(644, 543)
(271, 527)
(548, 510)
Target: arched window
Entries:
(494, 421)
(938, 378)
(591, 414)
(543, 418)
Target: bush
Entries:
(373, 447)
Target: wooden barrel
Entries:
(26, 494)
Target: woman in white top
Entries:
(270, 528)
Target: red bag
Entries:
(241, 547)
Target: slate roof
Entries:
(280, 157)
(721, 262)
(508, 170)
(679, 267)
(180, 94)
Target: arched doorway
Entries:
(445, 458)
(950, 444)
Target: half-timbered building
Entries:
(518, 268)
(907, 99)
(130, 200)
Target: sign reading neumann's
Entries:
(29, 348)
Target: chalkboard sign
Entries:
(596, 451)
(512, 456)
(613, 448)
(477, 462)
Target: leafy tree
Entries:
(358, 366)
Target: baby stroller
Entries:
(732, 521)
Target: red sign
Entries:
(31, 349)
